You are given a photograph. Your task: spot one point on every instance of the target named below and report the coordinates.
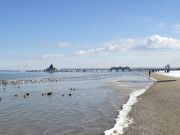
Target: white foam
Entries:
(175, 73)
(5, 82)
(153, 79)
(123, 120)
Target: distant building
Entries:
(120, 68)
(115, 68)
(51, 69)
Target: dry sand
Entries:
(158, 109)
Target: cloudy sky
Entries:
(89, 33)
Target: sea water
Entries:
(95, 107)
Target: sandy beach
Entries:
(158, 109)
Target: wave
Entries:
(6, 82)
(123, 120)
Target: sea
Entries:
(81, 103)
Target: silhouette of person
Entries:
(149, 72)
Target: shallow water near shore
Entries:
(90, 110)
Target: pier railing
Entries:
(113, 69)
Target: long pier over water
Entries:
(112, 69)
(108, 69)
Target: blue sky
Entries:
(89, 33)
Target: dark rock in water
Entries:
(49, 94)
(27, 94)
(114, 131)
(0, 99)
(70, 95)
(122, 107)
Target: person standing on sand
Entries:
(149, 72)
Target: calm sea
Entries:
(90, 110)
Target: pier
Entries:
(51, 69)
(112, 69)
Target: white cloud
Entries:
(51, 56)
(98, 50)
(121, 45)
(157, 42)
(152, 42)
(61, 44)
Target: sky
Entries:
(89, 33)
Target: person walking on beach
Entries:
(149, 72)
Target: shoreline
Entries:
(123, 119)
(157, 110)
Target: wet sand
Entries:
(158, 109)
